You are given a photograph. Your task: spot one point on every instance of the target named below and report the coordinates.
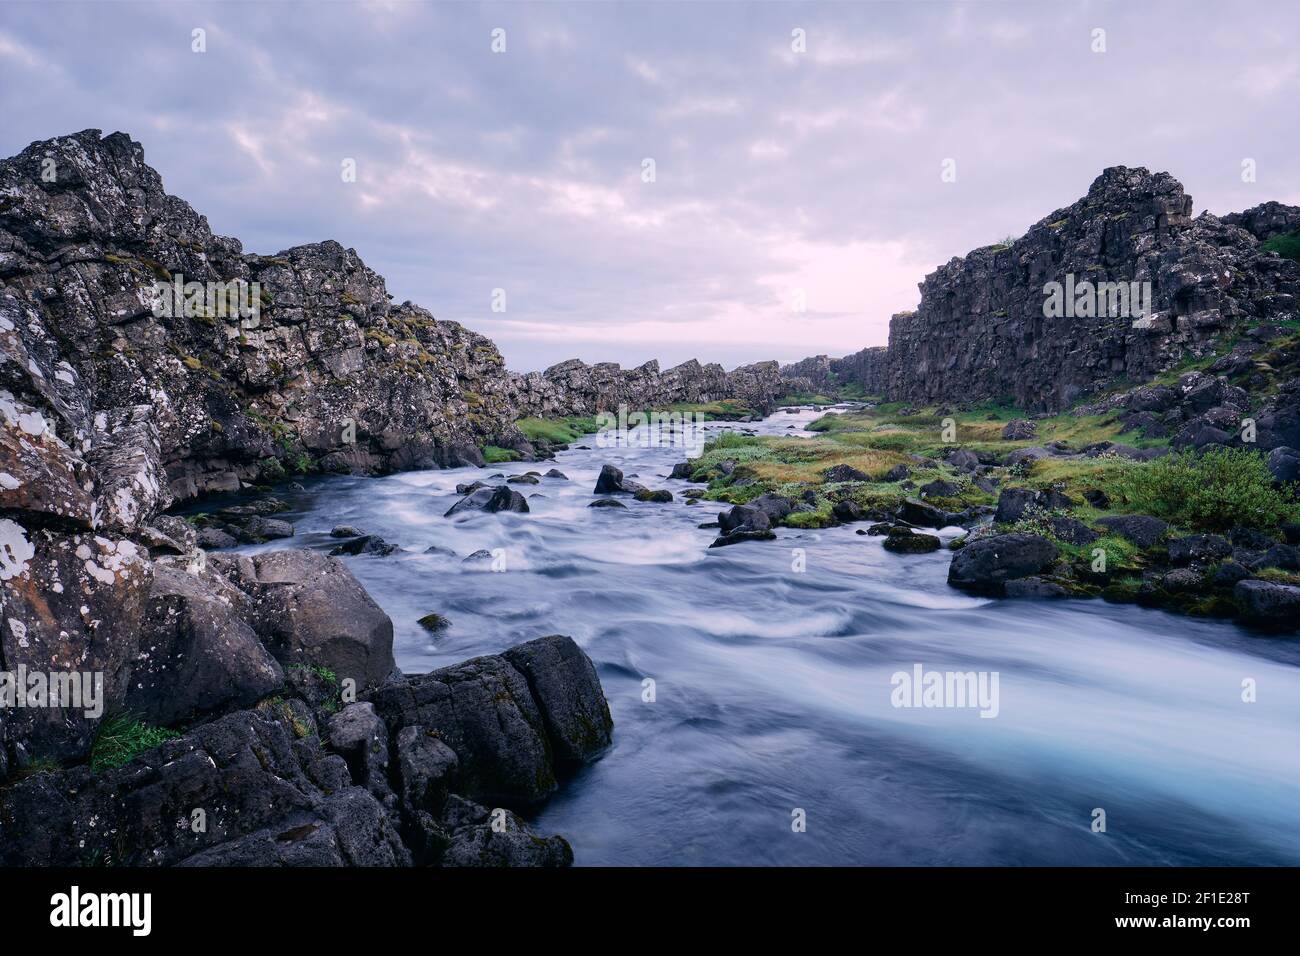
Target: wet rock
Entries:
(211, 539)
(1034, 587)
(738, 537)
(923, 514)
(682, 470)
(258, 528)
(612, 482)
(1268, 604)
(776, 507)
(556, 473)
(607, 503)
(366, 544)
(847, 511)
(984, 566)
(434, 622)
(491, 500)
(906, 541)
(514, 844)
(659, 496)
(485, 712)
(744, 518)
(564, 684)
(469, 488)
(346, 531)
(524, 480)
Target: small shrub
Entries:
(1213, 491)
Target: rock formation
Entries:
(981, 332)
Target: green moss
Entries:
(494, 455)
(434, 622)
(557, 431)
(1287, 246)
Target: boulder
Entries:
(510, 842)
(984, 566)
(906, 541)
(612, 482)
(269, 796)
(309, 609)
(1198, 549)
(1021, 429)
(564, 684)
(72, 606)
(1142, 530)
(490, 499)
(197, 655)
(1268, 604)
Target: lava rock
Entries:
(984, 566)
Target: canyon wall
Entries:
(330, 373)
(981, 332)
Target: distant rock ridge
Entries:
(980, 331)
(329, 372)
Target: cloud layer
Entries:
(780, 174)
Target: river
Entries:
(772, 695)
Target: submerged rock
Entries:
(491, 500)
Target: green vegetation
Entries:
(494, 455)
(802, 398)
(434, 622)
(1211, 491)
(1287, 246)
(557, 431)
(122, 738)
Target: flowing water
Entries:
(772, 687)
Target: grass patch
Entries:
(121, 739)
(494, 455)
(557, 431)
(1287, 246)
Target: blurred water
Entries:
(773, 686)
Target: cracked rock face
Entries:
(980, 331)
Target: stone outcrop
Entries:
(576, 388)
(288, 362)
(981, 331)
(386, 782)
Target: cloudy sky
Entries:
(777, 173)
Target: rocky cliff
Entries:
(981, 330)
(144, 360)
(117, 298)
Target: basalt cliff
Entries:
(328, 373)
(981, 331)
